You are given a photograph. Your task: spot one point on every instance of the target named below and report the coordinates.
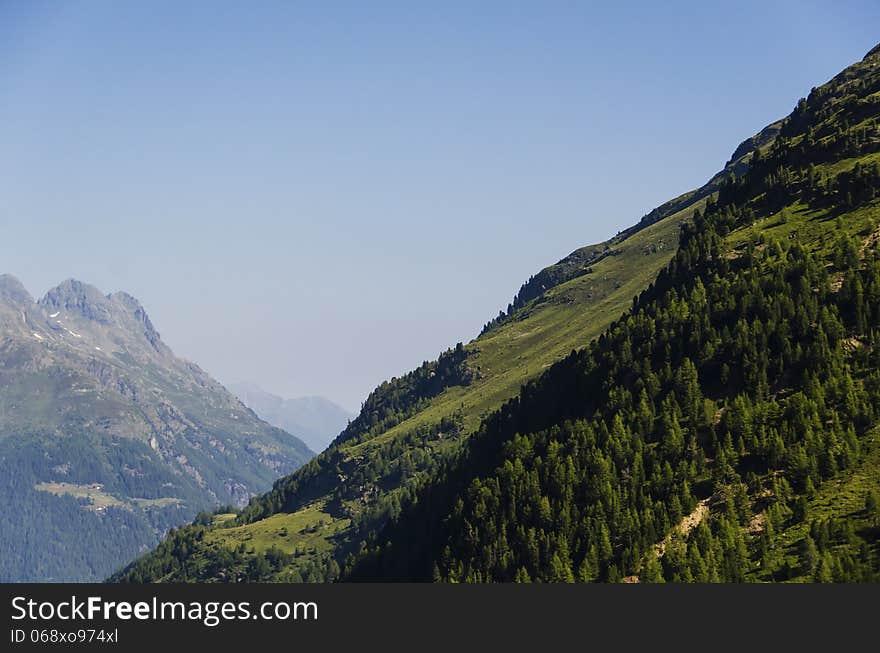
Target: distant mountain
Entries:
(107, 439)
(696, 399)
(314, 420)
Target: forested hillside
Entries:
(722, 428)
(708, 434)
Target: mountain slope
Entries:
(107, 439)
(410, 425)
(741, 379)
(314, 420)
(731, 414)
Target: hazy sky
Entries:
(317, 196)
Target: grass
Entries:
(94, 493)
(841, 498)
(307, 534)
(99, 499)
(814, 228)
(305, 531)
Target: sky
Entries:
(315, 197)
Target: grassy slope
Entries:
(97, 499)
(304, 533)
(566, 318)
(542, 332)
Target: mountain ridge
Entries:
(579, 261)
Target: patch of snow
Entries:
(37, 336)
(75, 335)
(55, 314)
(98, 348)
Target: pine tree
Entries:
(652, 572)
(809, 555)
(872, 507)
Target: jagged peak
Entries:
(12, 290)
(137, 310)
(74, 288)
(873, 53)
(78, 297)
(87, 301)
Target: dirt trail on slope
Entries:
(687, 524)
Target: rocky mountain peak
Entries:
(80, 298)
(13, 292)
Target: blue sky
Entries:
(317, 196)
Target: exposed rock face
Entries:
(80, 298)
(738, 160)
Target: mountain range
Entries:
(107, 439)
(696, 399)
(314, 420)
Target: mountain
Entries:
(314, 420)
(107, 439)
(695, 399)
